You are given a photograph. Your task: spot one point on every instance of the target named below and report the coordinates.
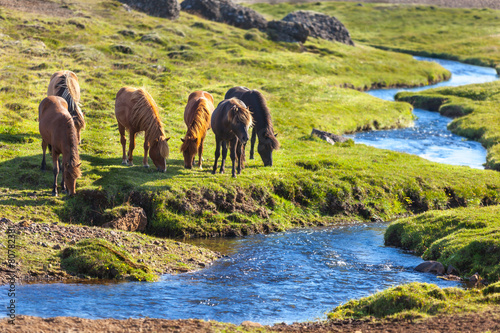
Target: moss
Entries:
(103, 260)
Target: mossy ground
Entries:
(476, 110)
(466, 238)
(417, 300)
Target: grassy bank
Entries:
(417, 300)
(464, 238)
(466, 35)
(475, 108)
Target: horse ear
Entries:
(182, 139)
(78, 165)
(167, 139)
(275, 135)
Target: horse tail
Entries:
(67, 88)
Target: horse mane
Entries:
(240, 113)
(146, 117)
(198, 126)
(265, 123)
(66, 89)
(74, 158)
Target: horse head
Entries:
(189, 149)
(159, 153)
(71, 174)
(240, 119)
(267, 143)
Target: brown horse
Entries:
(263, 125)
(136, 111)
(230, 122)
(197, 117)
(59, 133)
(65, 84)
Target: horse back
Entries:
(237, 92)
(71, 82)
(54, 121)
(124, 103)
(198, 101)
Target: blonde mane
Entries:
(66, 88)
(146, 118)
(240, 113)
(198, 126)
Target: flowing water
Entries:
(283, 277)
(429, 137)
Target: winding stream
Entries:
(429, 137)
(282, 277)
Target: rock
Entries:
(162, 8)
(134, 220)
(56, 247)
(5, 220)
(431, 267)
(127, 33)
(291, 32)
(329, 137)
(250, 324)
(475, 278)
(321, 26)
(122, 49)
(452, 270)
(226, 11)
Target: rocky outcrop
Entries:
(321, 26)
(226, 11)
(328, 137)
(161, 8)
(431, 267)
(291, 32)
(134, 220)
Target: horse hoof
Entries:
(54, 194)
(124, 163)
(146, 165)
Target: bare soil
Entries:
(46, 7)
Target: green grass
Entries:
(467, 238)
(466, 35)
(414, 300)
(311, 183)
(476, 109)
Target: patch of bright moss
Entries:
(103, 260)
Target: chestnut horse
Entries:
(230, 122)
(59, 133)
(197, 116)
(65, 84)
(136, 111)
(263, 125)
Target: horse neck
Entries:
(199, 124)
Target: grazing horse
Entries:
(197, 118)
(230, 122)
(65, 84)
(136, 111)
(263, 125)
(59, 133)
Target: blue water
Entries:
(283, 277)
(429, 137)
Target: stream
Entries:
(288, 277)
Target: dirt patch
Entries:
(488, 320)
(45, 7)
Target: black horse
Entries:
(230, 122)
(263, 125)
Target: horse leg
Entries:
(252, 142)
(224, 155)
(44, 149)
(233, 147)
(55, 170)
(200, 153)
(217, 154)
(61, 168)
(240, 153)
(123, 141)
(146, 149)
(131, 146)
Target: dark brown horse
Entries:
(65, 84)
(197, 117)
(263, 125)
(230, 122)
(136, 111)
(59, 133)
